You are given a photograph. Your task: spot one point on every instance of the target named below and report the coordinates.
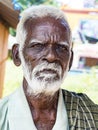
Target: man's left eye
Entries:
(63, 48)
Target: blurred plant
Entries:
(23, 4)
(12, 31)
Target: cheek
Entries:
(65, 62)
(31, 58)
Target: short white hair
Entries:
(38, 11)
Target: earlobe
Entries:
(15, 55)
(71, 60)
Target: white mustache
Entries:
(49, 67)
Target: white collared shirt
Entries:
(19, 117)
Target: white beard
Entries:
(44, 78)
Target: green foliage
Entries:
(12, 31)
(27, 3)
(52, 2)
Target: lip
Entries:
(51, 75)
(46, 71)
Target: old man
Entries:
(44, 49)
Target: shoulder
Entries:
(3, 111)
(80, 103)
(79, 97)
(3, 104)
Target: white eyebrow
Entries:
(36, 41)
(64, 43)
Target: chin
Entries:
(45, 86)
(37, 87)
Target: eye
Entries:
(62, 48)
(36, 46)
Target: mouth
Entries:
(46, 71)
(47, 74)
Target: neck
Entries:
(41, 101)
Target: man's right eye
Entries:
(36, 46)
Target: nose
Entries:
(51, 55)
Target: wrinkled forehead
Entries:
(32, 23)
(47, 29)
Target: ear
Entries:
(71, 60)
(15, 55)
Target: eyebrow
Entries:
(64, 43)
(38, 41)
(35, 41)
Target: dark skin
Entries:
(43, 110)
(49, 34)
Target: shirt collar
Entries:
(62, 119)
(20, 116)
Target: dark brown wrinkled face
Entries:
(47, 40)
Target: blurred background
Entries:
(82, 16)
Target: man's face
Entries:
(46, 51)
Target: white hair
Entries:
(38, 11)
